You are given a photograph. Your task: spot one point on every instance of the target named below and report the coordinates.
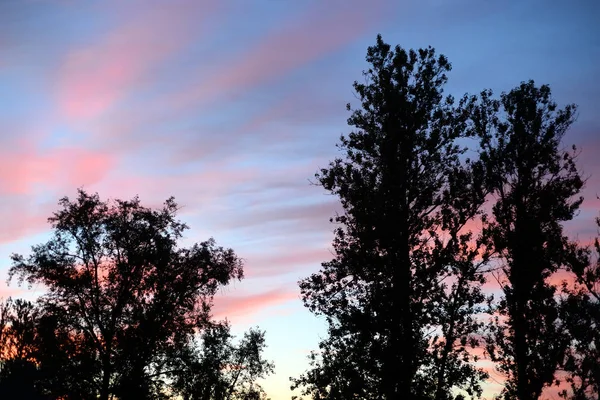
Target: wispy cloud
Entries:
(247, 307)
(26, 170)
(292, 45)
(95, 77)
(286, 261)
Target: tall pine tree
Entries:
(400, 294)
(581, 319)
(534, 184)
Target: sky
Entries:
(231, 107)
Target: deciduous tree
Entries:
(219, 369)
(123, 300)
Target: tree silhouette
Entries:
(220, 369)
(400, 294)
(581, 318)
(124, 302)
(533, 183)
(19, 376)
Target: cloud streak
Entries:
(248, 307)
(93, 79)
(22, 171)
(292, 45)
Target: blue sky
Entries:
(232, 106)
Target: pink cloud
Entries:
(320, 31)
(97, 77)
(10, 291)
(21, 218)
(230, 306)
(277, 124)
(27, 171)
(557, 279)
(22, 170)
(285, 262)
(92, 79)
(194, 191)
(202, 146)
(300, 215)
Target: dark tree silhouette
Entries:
(533, 182)
(123, 301)
(17, 330)
(19, 376)
(400, 294)
(220, 369)
(581, 319)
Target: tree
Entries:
(220, 369)
(581, 319)
(533, 182)
(17, 329)
(123, 301)
(19, 376)
(399, 295)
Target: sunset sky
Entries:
(232, 106)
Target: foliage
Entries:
(402, 289)
(124, 302)
(533, 183)
(17, 350)
(218, 369)
(581, 317)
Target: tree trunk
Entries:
(106, 371)
(521, 359)
(403, 339)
